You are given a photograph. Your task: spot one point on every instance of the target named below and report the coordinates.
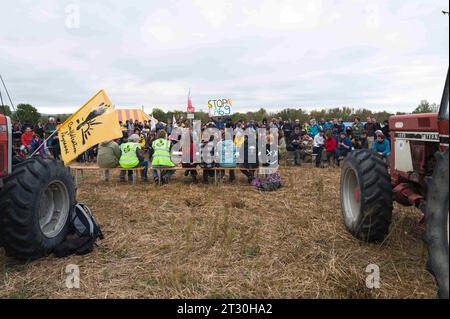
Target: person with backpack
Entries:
(132, 156)
(161, 158)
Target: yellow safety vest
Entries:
(161, 154)
(129, 159)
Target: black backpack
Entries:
(84, 232)
(83, 222)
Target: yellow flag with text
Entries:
(93, 123)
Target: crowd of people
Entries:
(145, 144)
(28, 139)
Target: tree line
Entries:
(29, 114)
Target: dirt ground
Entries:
(201, 241)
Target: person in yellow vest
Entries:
(160, 154)
(132, 156)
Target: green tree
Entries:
(5, 110)
(27, 114)
(159, 114)
(425, 107)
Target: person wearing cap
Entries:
(132, 156)
(381, 146)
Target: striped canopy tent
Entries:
(132, 114)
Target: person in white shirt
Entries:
(318, 147)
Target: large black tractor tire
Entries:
(437, 224)
(35, 207)
(366, 196)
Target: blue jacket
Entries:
(313, 130)
(383, 147)
(346, 141)
(227, 153)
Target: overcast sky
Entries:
(382, 55)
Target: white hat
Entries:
(378, 132)
(134, 138)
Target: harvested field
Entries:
(231, 241)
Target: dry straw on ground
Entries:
(232, 241)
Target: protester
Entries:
(296, 148)
(189, 154)
(160, 154)
(356, 128)
(227, 156)
(132, 156)
(318, 143)
(330, 145)
(250, 162)
(381, 146)
(386, 130)
(39, 129)
(208, 162)
(35, 144)
(344, 146)
(370, 129)
(313, 128)
(363, 142)
(27, 136)
(108, 156)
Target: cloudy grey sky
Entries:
(383, 55)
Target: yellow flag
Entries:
(93, 123)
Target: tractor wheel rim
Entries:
(54, 209)
(351, 196)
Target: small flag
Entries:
(94, 123)
(190, 107)
(152, 123)
(174, 122)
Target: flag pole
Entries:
(43, 143)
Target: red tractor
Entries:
(37, 196)
(417, 175)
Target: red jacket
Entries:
(330, 144)
(26, 138)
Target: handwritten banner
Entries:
(221, 107)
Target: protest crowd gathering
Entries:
(324, 142)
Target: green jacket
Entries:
(108, 154)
